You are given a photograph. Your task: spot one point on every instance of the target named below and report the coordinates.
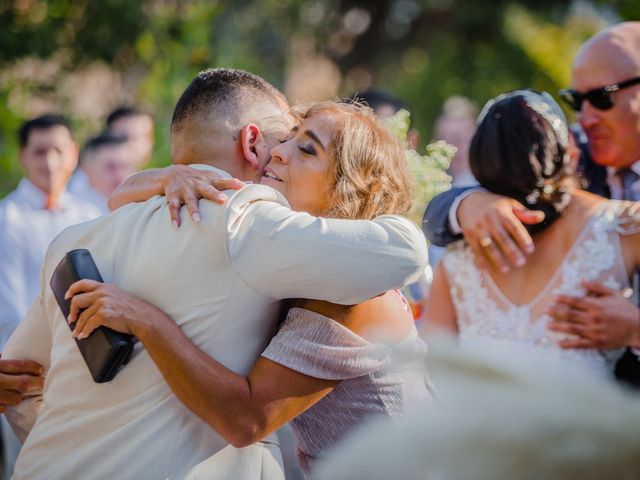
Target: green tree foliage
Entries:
(422, 50)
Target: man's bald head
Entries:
(214, 108)
(612, 56)
(615, 49)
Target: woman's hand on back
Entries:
(184, 185)
(181, 184)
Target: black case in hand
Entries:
(105, 350)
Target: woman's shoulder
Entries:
(386, 317)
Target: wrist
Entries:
(155, 325)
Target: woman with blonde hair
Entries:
(329, 367)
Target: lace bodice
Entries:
(484, 313)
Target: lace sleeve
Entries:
(628, 219)
(320, 347)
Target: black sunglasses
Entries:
(600, 98)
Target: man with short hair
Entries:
(221, 279)
(35, 213)
(137, 127)
(106, 162)
(30, 218)
(606, 96)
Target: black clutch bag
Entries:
(105, 351)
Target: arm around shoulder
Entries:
(286, 254)
(435, 222)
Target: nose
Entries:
(588, 116)
(52, 159)
(279, 153)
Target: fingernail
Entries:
(67, 296)
(222, 197)
(82, 336)
(519, 261)
(504, 269)
(175, 223)
(530, 248)
(69, 319)
(196, 217)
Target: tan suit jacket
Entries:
(221, 281)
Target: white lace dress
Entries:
(485, 315)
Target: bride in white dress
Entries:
(522, 150)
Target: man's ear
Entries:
(253, 144)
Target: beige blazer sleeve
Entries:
(30, 341)
(285, 254)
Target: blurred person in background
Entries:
(385, 105)
(30, 218)
(456, 125)
(605, 94)
(106, 162)
(137, 127)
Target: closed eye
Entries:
(307, 149)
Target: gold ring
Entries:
(485, 241)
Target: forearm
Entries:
(138, 188)
(216, 394)
(435, 223)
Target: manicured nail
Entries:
(67, 295)
(222, 197)
(196, 217)
(175, 223)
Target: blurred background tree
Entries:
(84, 57)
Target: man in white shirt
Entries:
(106, 161)
(35, 213)
(30, 218)
(221, 279)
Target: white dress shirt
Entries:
(26, 230)
(80, 186)
(221, 281)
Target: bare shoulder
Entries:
(383, 317)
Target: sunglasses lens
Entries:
(600, 100)
(572, 98)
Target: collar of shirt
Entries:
(31, 195)
(614, 181)
(219, 171)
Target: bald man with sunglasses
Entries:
(605, 93)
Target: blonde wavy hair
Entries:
(370, 175)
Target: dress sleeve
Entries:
(320, 347)
(628, 219)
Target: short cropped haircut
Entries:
(221, 87)
(42, 122)
(123, 112)
(104, 139)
